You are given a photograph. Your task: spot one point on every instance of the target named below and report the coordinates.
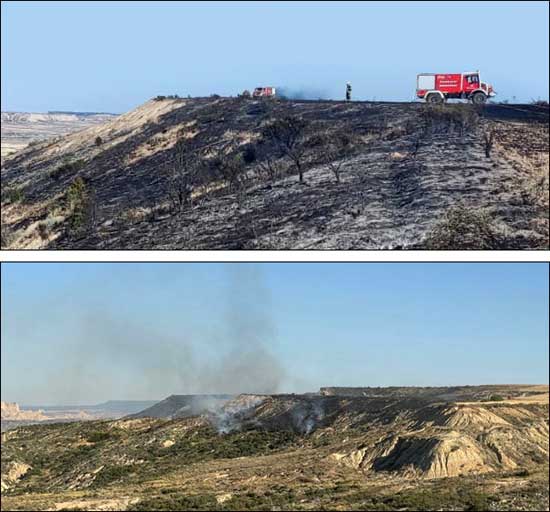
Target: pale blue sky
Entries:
(112, 56)
(79, 333)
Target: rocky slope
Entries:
(413, 177)
(288, 452)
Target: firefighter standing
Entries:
(348, 92)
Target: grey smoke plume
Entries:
(307, 415)
(128, 358)
(230, 416)
(301, 93)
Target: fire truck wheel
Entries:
(479, 98)
(434, 98)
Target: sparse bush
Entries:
(135, 215)
(268, 158)
(160, 98)
(415, 147)
(178, 502)
(464, 228)
(111, 474)
(228, 165)
(80, 202)
(98, 141)
(5, 235)
(98, 436)
(444, 118)
(336, 148)
(43, 230)
(488, 142)
(182, 175)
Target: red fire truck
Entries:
(263, 91)
(439, 87)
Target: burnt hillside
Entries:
(410, 176)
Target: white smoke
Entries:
(229, 417)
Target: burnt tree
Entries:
(182, 174)
(288, 133)
(336, 149)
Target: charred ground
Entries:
(288, 452)
(410, 176)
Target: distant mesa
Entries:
(11, 411)
(183, 406)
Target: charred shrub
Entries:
(464, 228)
(67, 168)
(182, 174)
(44, 230)
(249, 154)
(335, 150)
(448, 118)
(488, 142)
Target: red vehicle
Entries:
(263, 91)
(438, 88)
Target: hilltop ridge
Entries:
(407, 169)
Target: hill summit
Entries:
(241, 173)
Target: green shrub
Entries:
(12, 195)
(80, 203)
(112, 474)
(180, 502)
(464, 228)
(97, 437)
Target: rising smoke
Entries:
(114, 356)
(301, 93)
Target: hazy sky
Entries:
(112, 56)
(84, 333)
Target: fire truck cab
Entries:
(263, 91)
(439, 87)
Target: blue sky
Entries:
(83, 333)
(112, 56)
